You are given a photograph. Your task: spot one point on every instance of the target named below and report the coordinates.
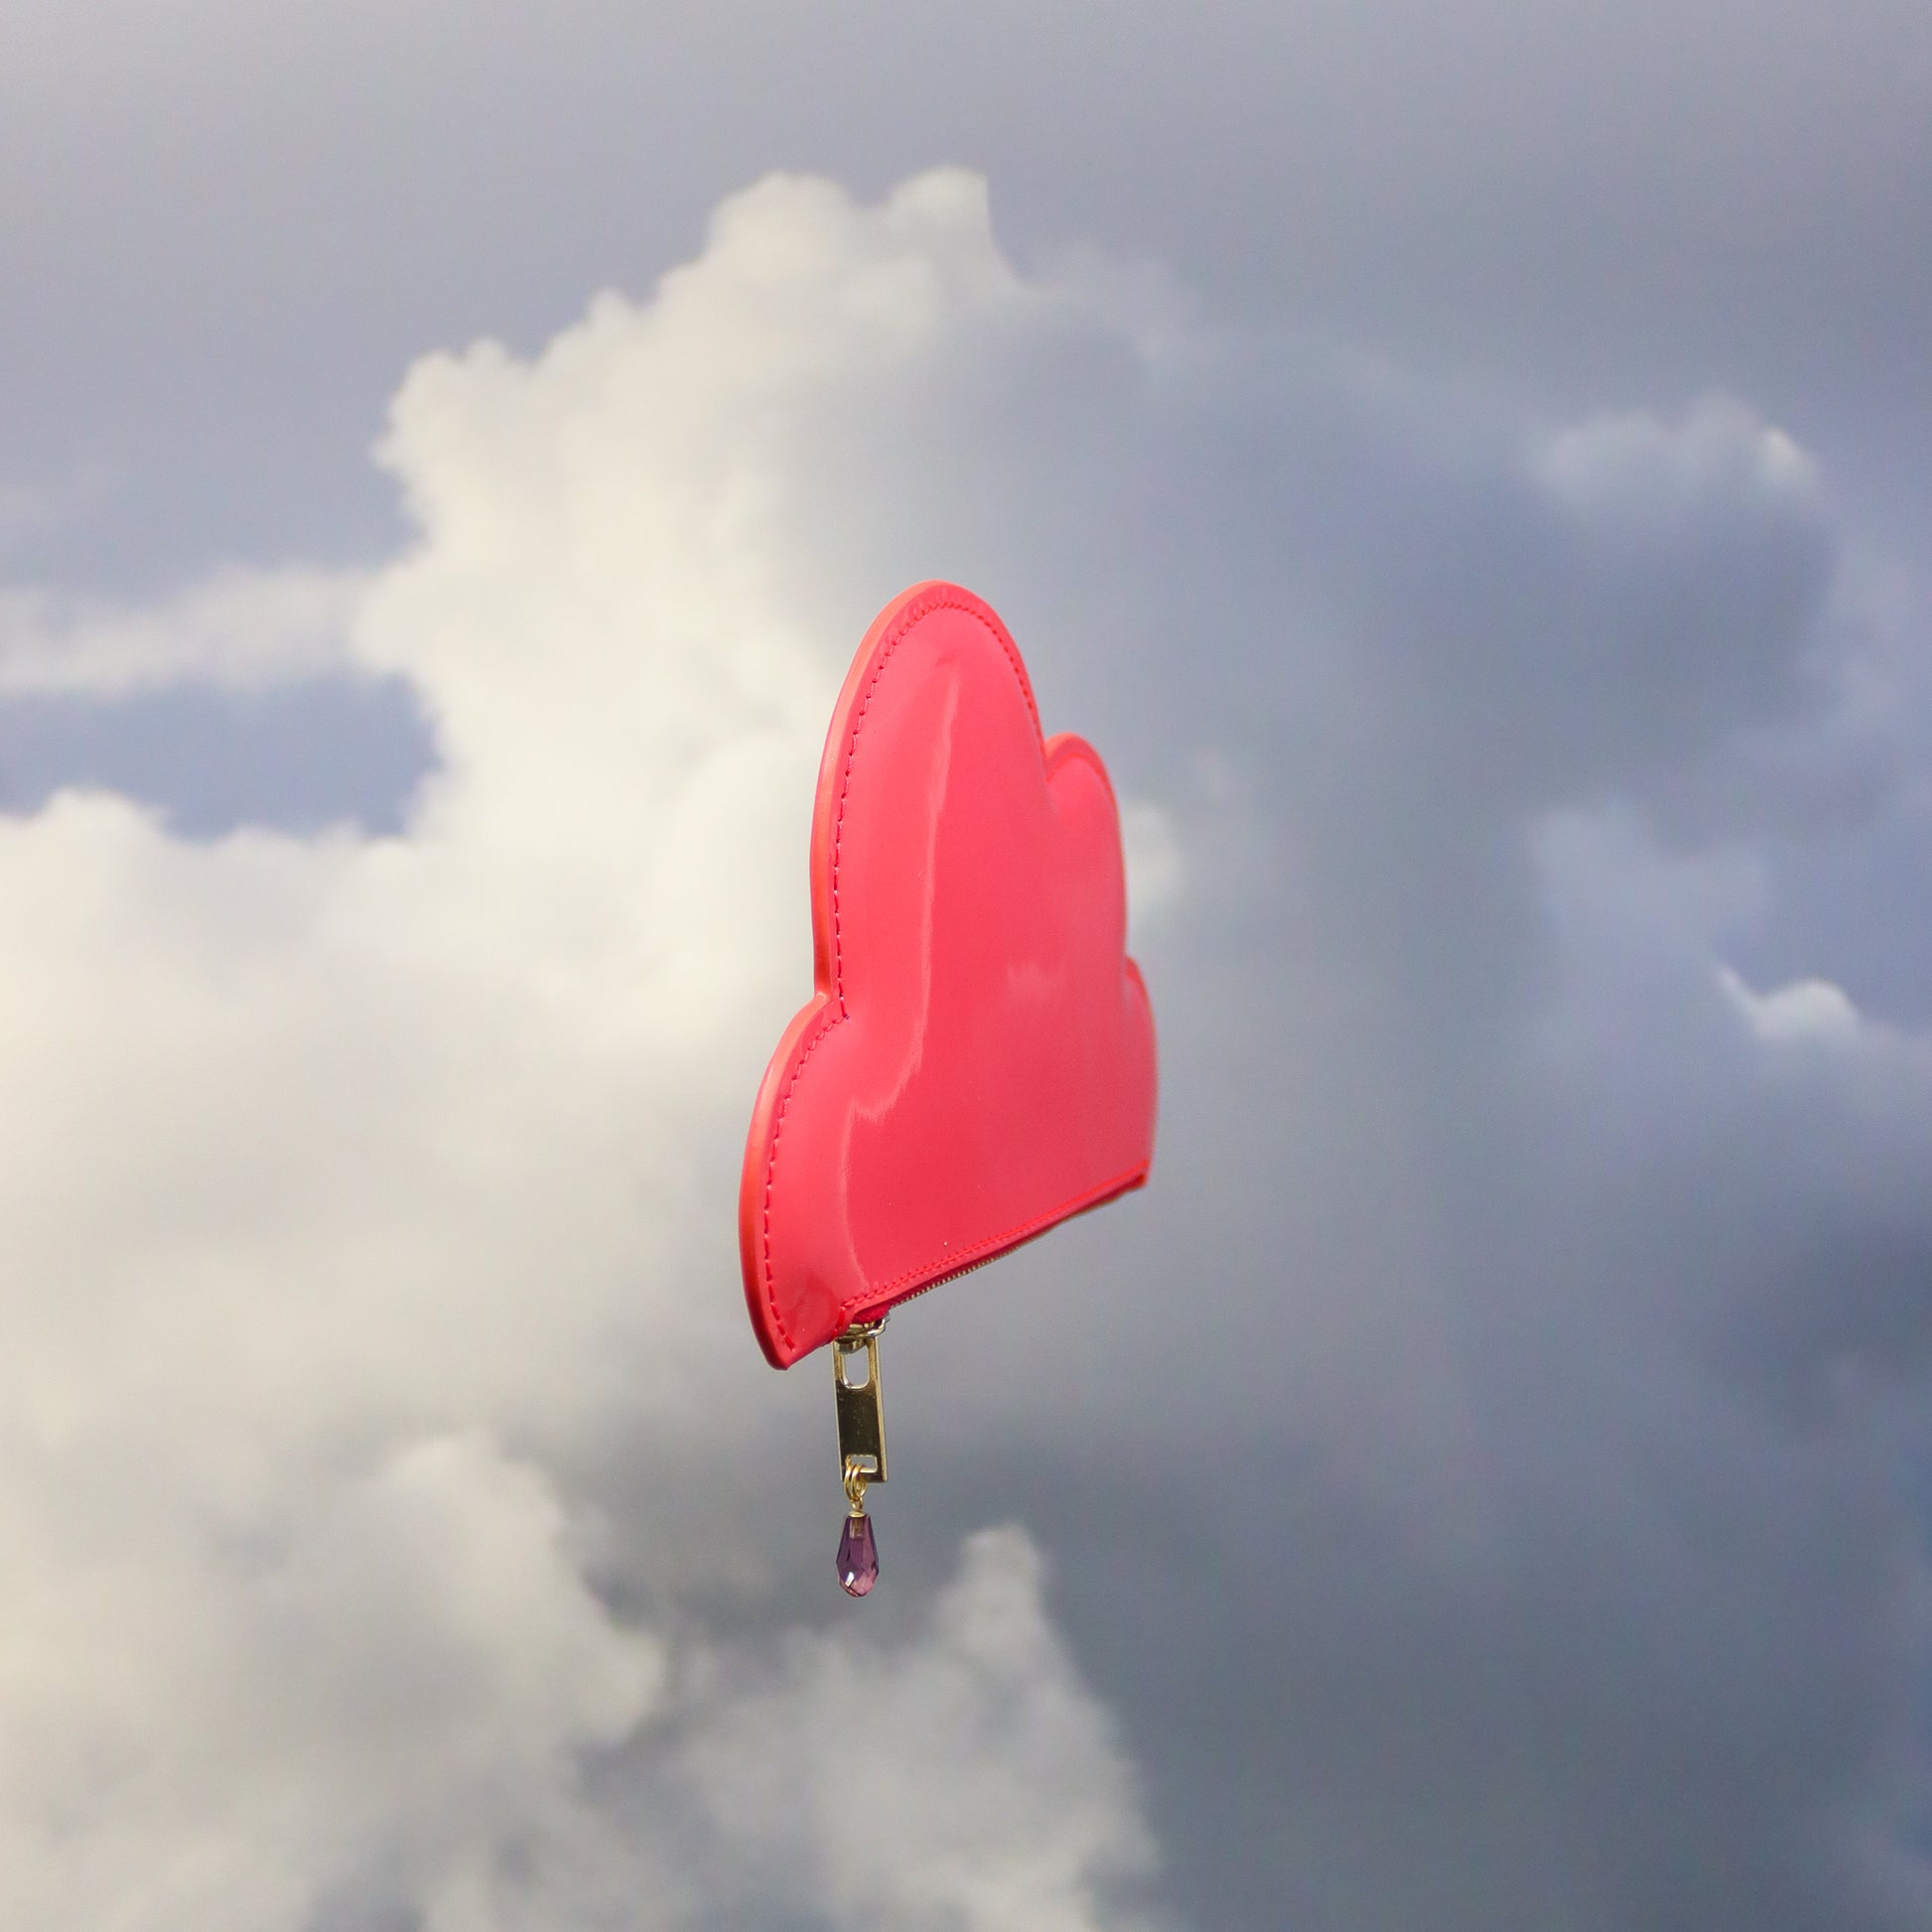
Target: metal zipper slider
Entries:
(862, 1450)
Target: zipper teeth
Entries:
(971, 1268)
(985, 1261)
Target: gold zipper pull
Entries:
(862, 1450)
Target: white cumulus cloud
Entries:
(1467, 1499)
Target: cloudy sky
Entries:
(1468, 470)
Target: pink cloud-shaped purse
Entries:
(977, 1063)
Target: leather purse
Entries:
(977, 1061)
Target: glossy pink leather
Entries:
(978, 1060)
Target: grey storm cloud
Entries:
(227, 228)
(1471, 1486)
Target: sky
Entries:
(1464, 469)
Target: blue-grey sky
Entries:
(1467, 471)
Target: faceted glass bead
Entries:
(857, 1557)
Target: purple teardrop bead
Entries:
(857, 1557)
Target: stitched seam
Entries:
(777, 1123)
(938, 600)
(961, 1257)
